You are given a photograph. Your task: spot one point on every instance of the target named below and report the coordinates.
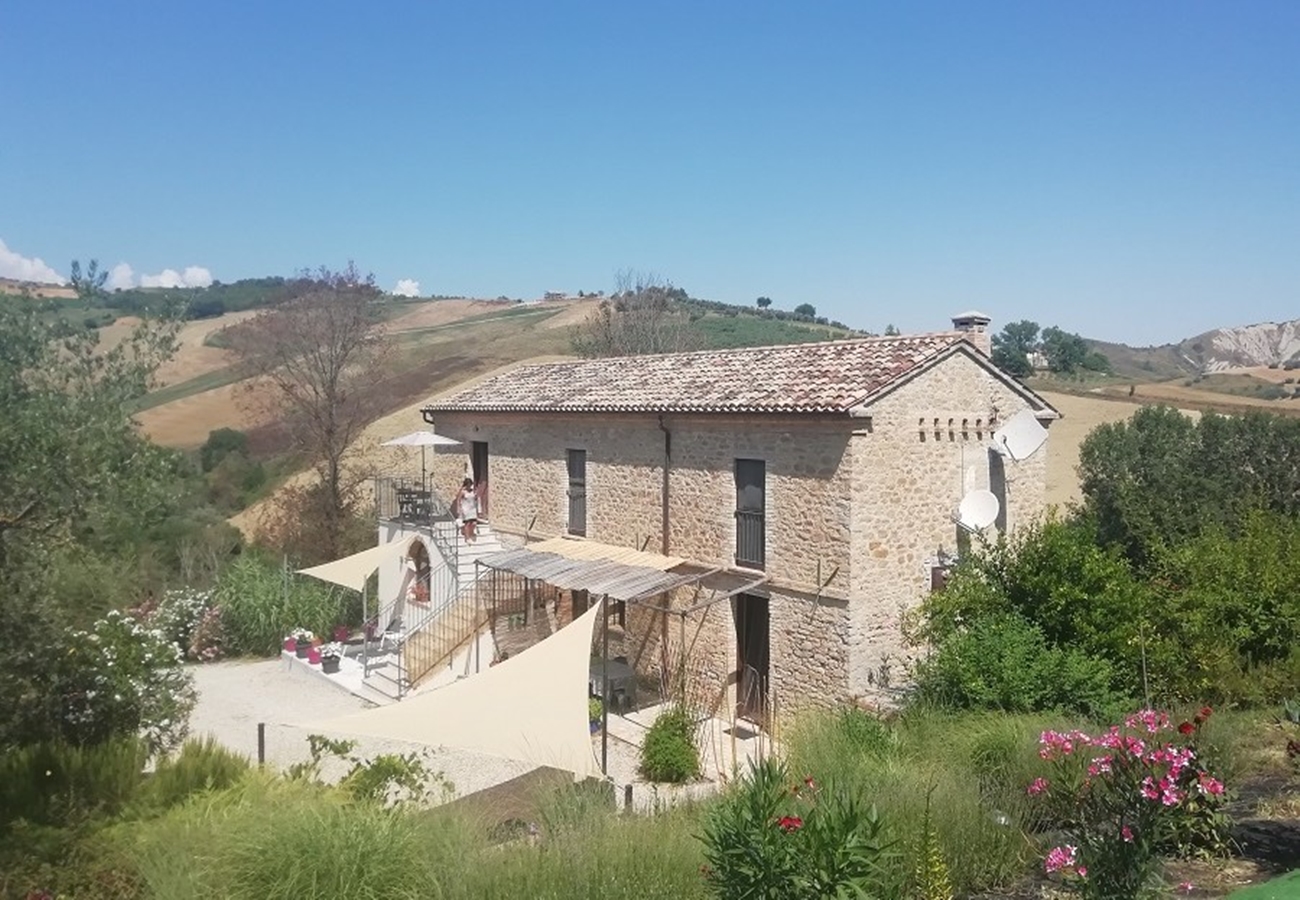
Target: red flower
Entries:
(1203, 714)
(1186, 728)
(790, 823)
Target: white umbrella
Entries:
(421, 439)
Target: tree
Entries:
(321, 353)
(892, 331)
(1012, 346)
(80, 489)
(763, 302)
(90, 286)
(1066, 353)
(1161, 479)
(807, 310)
(643, 316)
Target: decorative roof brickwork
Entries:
(822, 377)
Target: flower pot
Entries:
(301, 648)
(291, 644)
(342, 633)
(329, 665)
(313, 656)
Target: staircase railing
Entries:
(413, 504)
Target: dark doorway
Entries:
(478, 457)
(581, 600)
(578, 492)
(753, 648)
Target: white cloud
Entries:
(407, 287)
(121, 277)
(193, 276)
(13, 265)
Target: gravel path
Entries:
(235, 695)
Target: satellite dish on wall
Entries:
(1021, 436)
(978, 510)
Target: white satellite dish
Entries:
(978, 510)
(1021, 436)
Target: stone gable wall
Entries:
(927, 445)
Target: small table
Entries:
(622, 677)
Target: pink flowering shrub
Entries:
(1123, 797)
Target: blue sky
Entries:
(1130, 171)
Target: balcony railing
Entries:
(751, 549)
(409, 500)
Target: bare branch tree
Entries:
(642, 316)
(320, 352)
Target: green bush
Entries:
(122, 678)
(773, 837)
(669, 753)
(260, 603)
(1004, 663)
(201, 765)
(61, 784)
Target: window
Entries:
(751, 502)
(578, 492)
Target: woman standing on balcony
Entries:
(467, 509)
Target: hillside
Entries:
(1262, 345)
(438, 343)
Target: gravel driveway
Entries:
(235, 695)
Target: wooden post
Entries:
(261, 743)
(627, 798)
(604, 689)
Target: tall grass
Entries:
(61, 784)
(201, 765)
(260, 604)
(974, 769)
(269, 837)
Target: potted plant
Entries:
(290, 644)
(595, 712)
(301, 642)
(341, 634)
(313, 655)
(330, 655)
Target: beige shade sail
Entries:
(352, 571)
(531, 707)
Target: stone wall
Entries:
(924, 447)
(808, 496)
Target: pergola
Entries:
(611, 573)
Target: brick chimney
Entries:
(975, 325)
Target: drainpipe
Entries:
(666, 545)
(668, 459)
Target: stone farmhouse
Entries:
(823, 478)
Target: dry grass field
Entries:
(435, 354)
(185, 423)
(194, 358)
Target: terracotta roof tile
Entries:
(822, 377)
